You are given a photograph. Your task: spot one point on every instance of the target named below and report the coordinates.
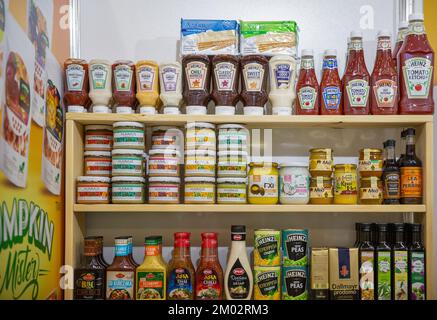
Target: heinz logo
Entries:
(239, 271)
(119, 275)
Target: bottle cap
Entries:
(356, 34)
(307, 52)
(410, 132)
(238, 229)
(365, 226)
(416, 17)
(403, 25)
(390, 143)
(399, 227)
(384, 33)
(153, 240)
(416, 227)
(382, 227)
(182, 235)
(330, 52)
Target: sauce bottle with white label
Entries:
(238, 277)
(282, 81)
(170, 79)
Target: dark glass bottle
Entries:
(403, 146)
(399, 268)
(383, 279)
(367, 262)
(374, 234)
(416, 264)
(357, 235)
(391, 175)
(411, 172)
(89, 279)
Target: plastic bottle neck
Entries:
(181, 252)
(307, 63)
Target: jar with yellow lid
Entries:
(321, 190)
(371, 190)
(263, 183)
(370, 163)
(321, 162)
(345, 191)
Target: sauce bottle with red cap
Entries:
(196, 74)
(307, 88)
(356, 80)
(416, 70)
(225, 81)
(330, 86)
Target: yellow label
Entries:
(320, 193)
(320, 165)
(346, 184)
(370, 165)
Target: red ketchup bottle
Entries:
(384, 79)
(356, 80)
(330, 86)
(308, 102)
(402, 32)
(416, 70)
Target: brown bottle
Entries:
(196, 85)
(225, 80)
(254, 70)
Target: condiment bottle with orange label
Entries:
(402, 32)
(416, 70)
(411, 172)
(255, 72)
(170, 80)
(76, 84)
(356, 80)
(282, 84)
(196, 71)
(123, 86)
(225, 81)
(209, 273)
(330, 86)
(100, 75)
(308, 102)
(384, 79)
(147, 86)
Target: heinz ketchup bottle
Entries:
(307, 86)
(384, 79)
(402, 32)
(330, 87)
(416, 70)
(356, 79)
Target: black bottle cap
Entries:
(390, 143)
(399, 227)
(382, 227)
(238, 229)
(366, 227)
(403, 133)
(410, 132)
(415, 227)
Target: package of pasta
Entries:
(269, 38)
(209, 37)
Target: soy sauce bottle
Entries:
(391, 175)
(416, 264)
(367, 262)
(383, 281)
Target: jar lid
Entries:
(371, 150)
(294, 164)
(97, 153)
(231, 126)
(200, 179)
(128, 179)
(98, 127)
(93, 179)
(127, 151)
(210, 153)
(263, 164)
(165, 179)
(232, 153)
(128, 124)
(321, 150)
(200, 125)
(164, 151)
(232, 180)
(161, 128)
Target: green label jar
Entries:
(127, 190)
(129, 135)
(127, 162)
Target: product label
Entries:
(92, 193)
(294, 186)
(128, 138)
(417, 28)
(263, 186)
(384, 275)
(199, 193)
(370, 165)
(321, 192)
(294, 284)
(98, 168)
(99, 76)
(320, 165)
(127, 192)
(295, 247)
(330, 64)
(89, 284)
(418, 72)
(417, 274)
(225, 76)
(166, 193)
(146, 78)
(127, 165)
(196, 75)
(75, 74)
(358, 93)
(98, 141)
(346, 184)
(367, 276)
(283, 74)
(307, 97)
(170, 77)
(307, 64)
(267, 282)
(123, 77)
(356, 44)
(231, 169)
(384, 44)
(253, 74)
(180, 284)
(120, 285)
(332, 97)
(267, 249)
(150, 285)
(411, 182)
(164, 165)
(238, 282)
(208, 285)
(392, 186)
(234, 195)
(370, 193)
(385, 91)
(400, 275)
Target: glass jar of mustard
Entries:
(200, 163)
(321, 162)
(321, 190)
(128, 190)
(231, 190)
(200, 135)
(164, 190)
(93, 190)
(164, 163)
(97, 163)
(199, 190)
(371, 190)
(345, 191)
(98, 138)
(129, 135)
(370, 163)
(263, 183)
(232, 163)
(127, 162)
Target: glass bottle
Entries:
(399, 264)
(307, 88)
(403, 147)
(402, 32)
(391, 175)
(330, 86)
(383, 265)
(416, 264)
(367, 261)
(357, 235)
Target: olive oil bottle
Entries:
(416, 264)
(399, 268)
(366, 263)
(383, 265)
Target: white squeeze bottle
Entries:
(282, 84)
(238, 276)
(170, 79)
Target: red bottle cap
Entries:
(182, 235)
(209, 240)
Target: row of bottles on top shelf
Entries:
(386, 263)
(404, 80)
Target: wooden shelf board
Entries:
(161, 208)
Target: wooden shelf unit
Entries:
(76, 214)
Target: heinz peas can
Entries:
(295, 247)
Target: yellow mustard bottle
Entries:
(151, 275)
(147, 86)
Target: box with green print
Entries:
(295, 247)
